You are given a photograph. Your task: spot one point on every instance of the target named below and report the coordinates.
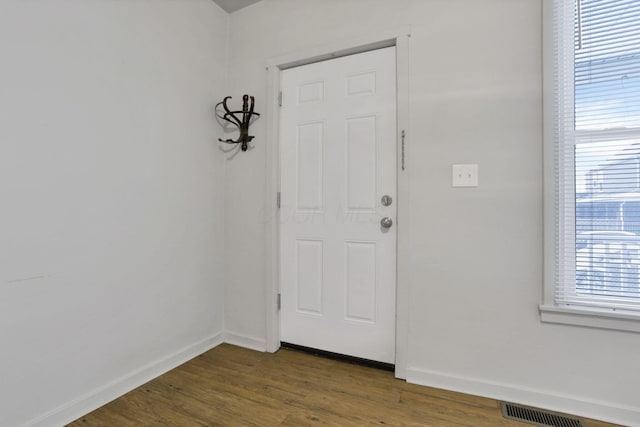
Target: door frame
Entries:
(400, 39)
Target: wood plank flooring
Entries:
(232, 386)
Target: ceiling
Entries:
(233, 5)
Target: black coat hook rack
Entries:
(242, 119)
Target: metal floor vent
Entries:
(539, 417)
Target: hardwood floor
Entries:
(238, 387)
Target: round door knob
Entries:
(386, 222)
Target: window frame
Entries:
(550, 311)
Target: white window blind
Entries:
(597, 153)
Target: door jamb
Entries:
(399, 39)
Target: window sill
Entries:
(592, 318)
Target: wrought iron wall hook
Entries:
(241, 118)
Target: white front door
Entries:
(338, 161)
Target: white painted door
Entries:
(338, 159)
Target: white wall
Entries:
(111, 186)
(476, 266)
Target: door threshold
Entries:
(342, 357)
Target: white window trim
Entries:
(550, 312)
(590, 317)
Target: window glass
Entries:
(607, 149)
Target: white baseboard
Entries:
(604, 411)
(245, 341)
(102, 395)
(88, 402)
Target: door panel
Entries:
(361, 163)
(360, 281)
(309, 276)
(338, 158)
(310, 166)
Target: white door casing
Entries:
(338, 158)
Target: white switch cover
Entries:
(465, 175)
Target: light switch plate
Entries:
(465, 175)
